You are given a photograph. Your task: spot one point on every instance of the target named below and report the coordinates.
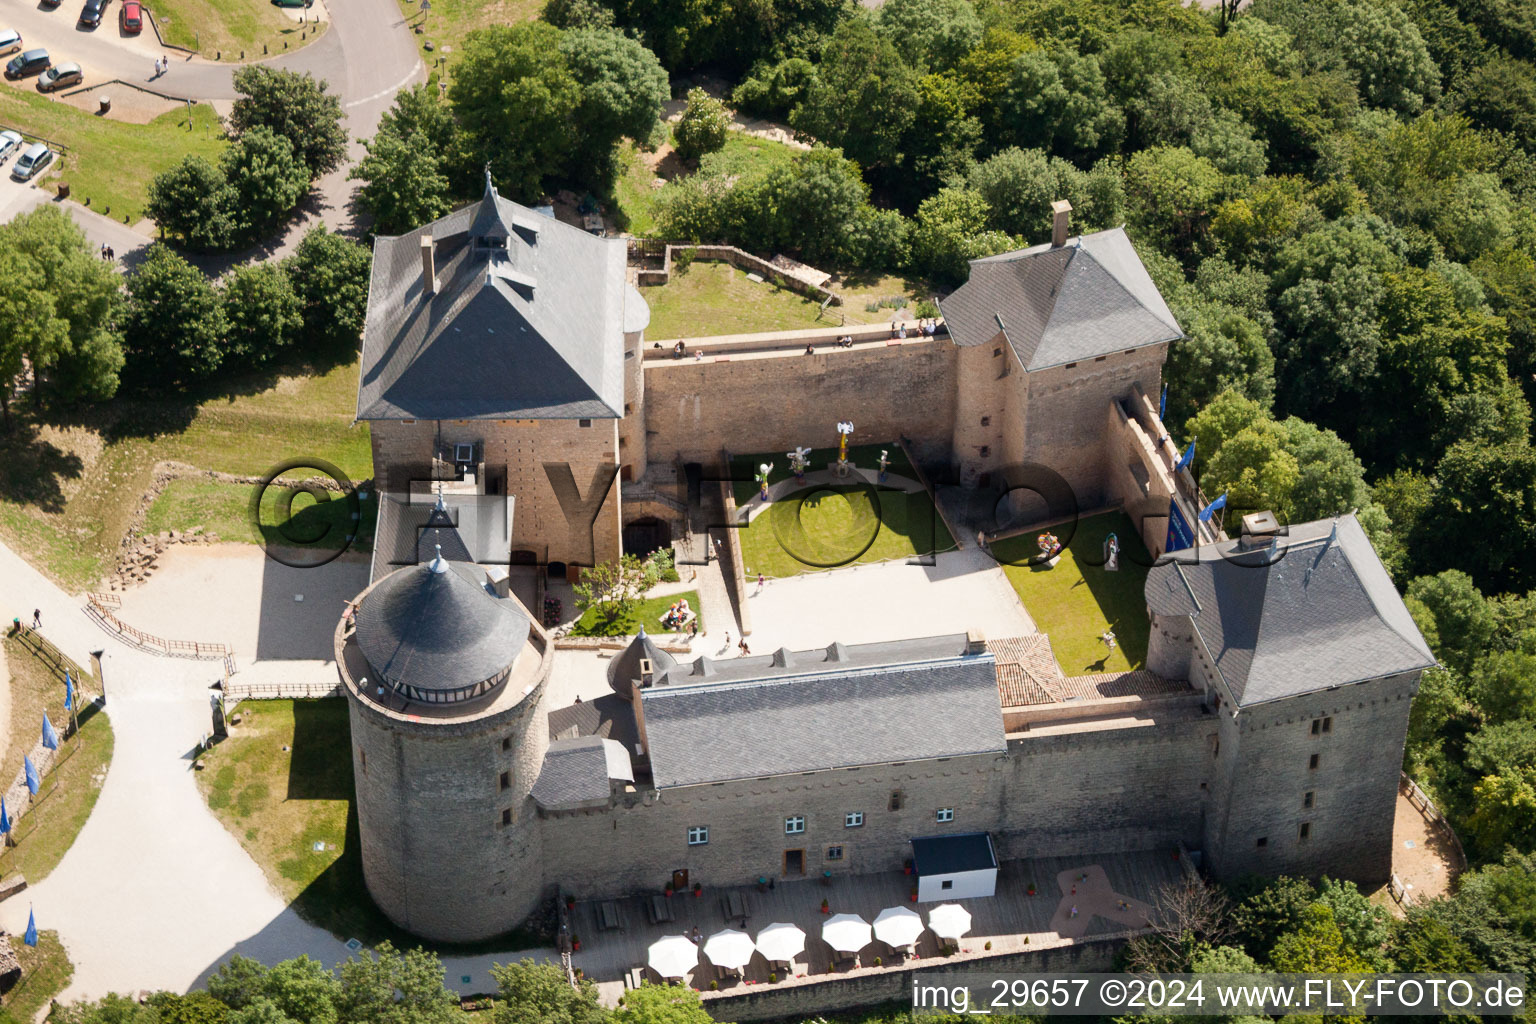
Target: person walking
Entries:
(745, 650)
(165, 64)
(37, 618)
(762, 581)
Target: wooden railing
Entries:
(101, 612)
(281, 691)
(1426, 807)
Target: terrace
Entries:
(1115, 898)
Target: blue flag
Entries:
(1186, 458)
(69, 691)
(1162, 403)
(34, 781)
(50, 738)
(1214, 507)
(31, 936)
(5, 818)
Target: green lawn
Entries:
(225, 509)
(108, 164)
(221, 29)
(69, 490)
(1075, 602)
(281, 784)
(450, 21)
(45, 971)
(69, 791)
(645, 613)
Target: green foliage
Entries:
(864, 98)
(773, 90)
(1316, 947)
(529, 991)
(386, 986)
(622, 91)
(330, 278)
(1268, 909)
(1058, 101)
(1383, 48)
(263, 313)
(936, 33)
(1172, 194)
(193, 202)
(174, 330)
(192, 1008)
(702, 127)
(257, 184)
(403, 185)
(949, 230)
(661, 1004)
(298, 108)
(611, 589)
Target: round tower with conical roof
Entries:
(446, 681)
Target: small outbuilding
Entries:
(956, 867)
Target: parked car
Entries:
(133, 17)
(10, 142)
(10, 41)
(293, 3)
(59, 76)
(91, 13)
(23, 65)
(49, 3)
(32, 162)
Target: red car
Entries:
(133, 17)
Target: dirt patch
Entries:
(1425, 857)
(131, 105)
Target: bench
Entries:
(608, 916)
(735, 907)
(659, 908)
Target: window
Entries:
(853, 819)
(946, 814)
(1322, 725)
(1305, 832)
(362, 756)
(948, 883)
(583, 423)
(1312, 762)
(506, 816)
(1306, 799)
(834, 853)
(1263, 842)
(506, 743)
(1100, 359)
(793, 826)
(506, 780)
(1328, 725)
(698, 835)
(986, 450)
(997, 352)
(1070, 366)
(895, 803)
(986, 421)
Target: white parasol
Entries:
(898, 926)
(729, 948)
(949, 920)
(781, 941)
(846, 933)
(673, 956)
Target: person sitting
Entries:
(893, 328)
(679, 350)
(810, 349)
(847, 341)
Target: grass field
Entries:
(645, 613)
(221, 29)
(449, 21)
(45, 971)
(108, 164)
(225, 509)
(283, 803)
(1075, 602)
(68, 490)
(635, 191)
(69, 791)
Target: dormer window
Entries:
(491, 244)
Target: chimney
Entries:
(975, 642)
(1061, 222)
(428, 269)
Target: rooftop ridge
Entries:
(840, 670)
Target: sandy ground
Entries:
(1423, 853)
(964, 590)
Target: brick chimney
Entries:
(1061, 222)
(428, 267)
(975, 642)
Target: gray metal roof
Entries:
(580, 771)
(624, 671)
(1061, 304)
(841, 707)
(472, 528)
(1321, 613)
(437, 627)
(526, 322)
(948, 855)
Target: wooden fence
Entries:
(280, 691)
(101, 611)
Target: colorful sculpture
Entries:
(1112, 553)
(844, 428)
(799, 460)
(762, 480)
(884, 464)
(1049, 546)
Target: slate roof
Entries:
(580, 771)
(608, 717)
(529, 326)
(436, 627)
(947, 855)
(624, 671)
(1321, 614)
(1061, 304)
(841, 707)
(471, 528)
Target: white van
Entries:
(37, 157)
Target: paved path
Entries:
(155, 893)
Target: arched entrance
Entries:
(642, 536)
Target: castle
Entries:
(518, 417)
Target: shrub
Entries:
(682, 259)
(702, 127)
(927, 309)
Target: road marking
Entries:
(394, 88)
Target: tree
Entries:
(1187, 917)
(1483, 490)
(1459, 616)
(330, 278)
(1424, 945)
(1269, 908)
(1020, 185)
(772, 91)
(238, 982)
(297, 107)
(266, 180)
(529, 991)
(263, 313)
(386, 986)
(1364, 926)
(1172, 194)
(1254, 467)
(1504, 686)
(192, 1008)
(193, 201)
(702, 127)
(1388, 56)
(864, 98)
(1330, 481)
(1229, 413)
(1058, 101)
(1501, 94)
(661, 1004)
(949, 231)
(808, 205)
(175, 328)
(623, 88)
(932, 33)
(1316, 947)
(31, 331)
(611, 589)
(86, 294)
(402, 185)
(515, 95)
(1222, 350)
